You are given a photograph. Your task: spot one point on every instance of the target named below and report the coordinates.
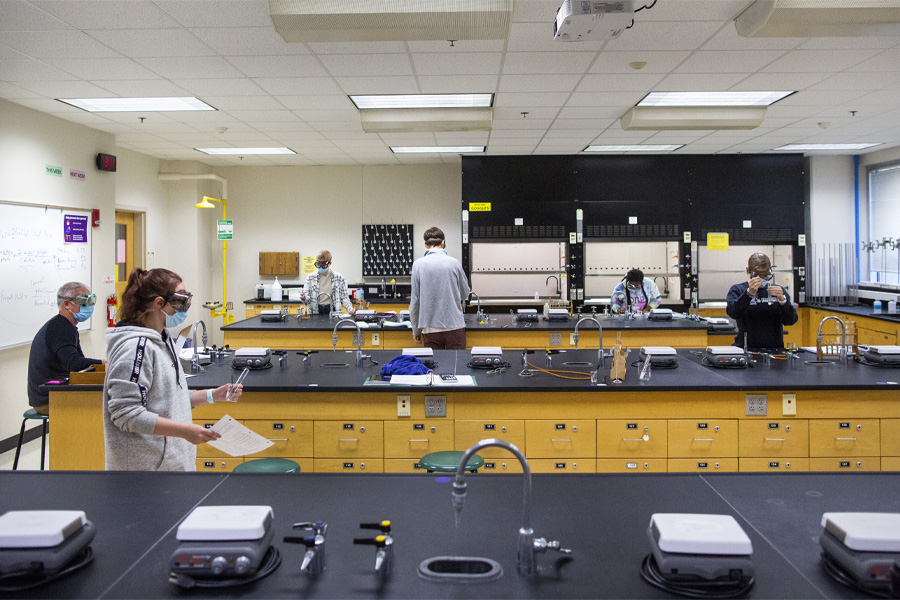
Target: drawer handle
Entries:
(704, 439)
(634, 440)
(278, 439)
(846, 439)
(426, 441)
(774, 439)
(348, 439)
(566, 440)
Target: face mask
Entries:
(176, 319)
(323, 271)
(84, 314)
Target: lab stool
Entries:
(268, 465)
(32, 414)
(448, 461)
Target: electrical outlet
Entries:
(435, 406)
(376, 339)
(403, 405)
(571, 339)
(788, 404)
(556, 338)
(356, 341)
(757, 404)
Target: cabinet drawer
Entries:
(291, 438)
(633, 465)
(858, 463)
(218, 464)
(349, 439)
(890, 437)
(415, 439)
(774, 439)
(403, 465)
(627, 439)
(501, 465)
(469, 432)
(890, 463)
(703, 438)
(836, 437)
(571, 465)
(561, 439)
(343, 465)
(207, 451)
(774, 464)
(703, 465)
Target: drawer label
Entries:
(774, 464)
(349, 426)
(348, 465)
(417, 465)
(631, 465)
(490, 427)
(209, 464)
(845, 464)
(843, 425)
(490, 465)
(702, 425)
(702, 465)
(278, 426)
(631, 425)
(208, 425)
(418, 426)
(560, 465)
(560, 426)
(774, 425)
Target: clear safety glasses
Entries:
(84, 299)
(321, 264)
(180, 301)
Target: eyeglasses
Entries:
(83, 299)
(764, 273)
(180, 301)
(321, 264)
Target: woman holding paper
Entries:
(146, 403)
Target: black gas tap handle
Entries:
(382, 526)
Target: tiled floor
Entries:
(30, 458)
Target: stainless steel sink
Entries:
(460, 569)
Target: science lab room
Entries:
(449, 299)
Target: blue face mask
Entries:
(176, 319)
(84, 314)
(323, 271)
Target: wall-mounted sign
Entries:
(224, 229)
(76, 175)
(53, 171)
(308, 264)
(75, 229)
(480, 206)
(717, 241)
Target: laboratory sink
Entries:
(460, 569)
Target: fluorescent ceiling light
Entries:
(437, 149)
(635, 148)
(803, 147)
(245, 151)
(423, 101)
(137, 104)
(712, 98)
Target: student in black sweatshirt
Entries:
(56, 349)
(760, 309)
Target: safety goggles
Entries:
(84, 299)
(321, 264)
(180, 301)
(765, 275)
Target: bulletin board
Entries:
(41, 248)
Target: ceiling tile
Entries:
(698, 82)
(283, 127)
(605, 98)
(66, 89)
(357, 47)
(673, 35)
(889, 60)
(619, 83)
(828, 98)
(778, 81)
(104, 68)
(538, 83)
(247, 41)
(144, 88)
(202, 67)
(657, 62)
(319, 116)
(31, 70)
(57, 44)
(728, 61)
(233, 103)
(477, 63)
(509, 134)
(525, 63)
(809, 61)
(592, 112)
(378, 85)
(318, 102)
(499, 124)
(513, 99)
(337, 126)
(218, 13)
(459, 46)
(19, 15)
(538, 37)
(456, 84)
(296, 86)
(534, 112)
(152, 42)
(220, 87)
(104, 14)
(727, 38)
(857, 81)
(11, 92)
(353, 65)
(837, 43)
(262, 115)
(278, 66)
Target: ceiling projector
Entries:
(592, 20)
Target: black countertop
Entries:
(862, 310)
(601, 518)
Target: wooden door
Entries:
(124, 250)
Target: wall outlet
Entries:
(355, 341)
(756, 404)
(403, 405)
(788, 404)
(376, 339)
(571, 339)
(435, 406)
(556, 338)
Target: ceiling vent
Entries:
(819, 18)
(425, 119)
(390, 20)
(674, 118)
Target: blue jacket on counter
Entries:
(762, 318)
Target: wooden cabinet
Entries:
(555, 465)
(561, 439)
(290, 438)
(338, 465)
(415, 439)
(632, 438)
(838, 437)
(705, 465)
(764, 438)
(279, 263)
(205, 451)
(218, 464)
(511, 430)
(862, 463)
(890, 437)
(768, 465)
(703, 438)
(634, 465)
(403, 465)
(349, 439)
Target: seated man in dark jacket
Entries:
(761, 310)
(56, 349)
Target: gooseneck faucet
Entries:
(842, 356)
(359, 337)
(479, 315)
(546, 281)
(600, 361)
(195, 358)
(528, 545)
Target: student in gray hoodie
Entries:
(146, 403)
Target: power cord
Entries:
(864, 361)
(559, 373)
(28, 579)
(694, 587)
(270, 562)
(671, 365)
(837, 572)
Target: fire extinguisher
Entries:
(111, 306)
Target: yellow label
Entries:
(717, 241)
(309, 264)
(480, 206)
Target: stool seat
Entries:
(268, 465)
(32, 415)
(447, 461)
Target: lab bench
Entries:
(691, 418)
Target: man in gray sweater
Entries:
(439, 287)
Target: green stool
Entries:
(268, 465)
(32, 414)
(448, 461)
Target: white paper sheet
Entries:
(237, 440)
(432, 379)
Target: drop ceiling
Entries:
(550, 97)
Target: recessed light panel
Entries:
(712, 98)
(246, 151)
(137, 104)
(437, 149)
(812, 147)
(635, 148)
(423, 101)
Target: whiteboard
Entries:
(35, 260)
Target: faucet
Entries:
(384, 544)
(330, 303)
(528, 545)
(479, 315)
(195, 358)
(600, 362)
(558, 292)
(842, 356)
(383, 288)
(314, 558)
(359, 355)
